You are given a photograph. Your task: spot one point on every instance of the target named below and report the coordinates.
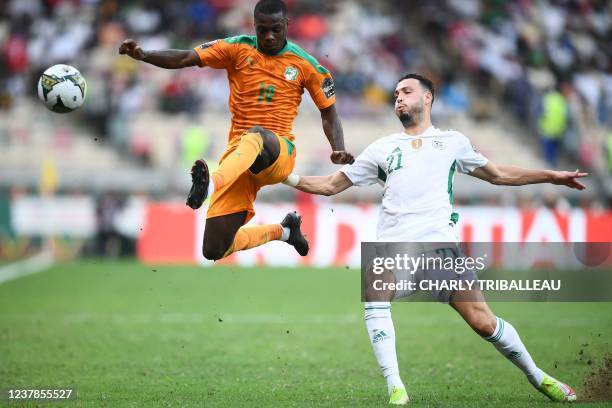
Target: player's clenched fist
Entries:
(131, 48)
(341, 157)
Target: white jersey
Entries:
(417, 173)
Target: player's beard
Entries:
(412, 116)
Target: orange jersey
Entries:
(266, 90)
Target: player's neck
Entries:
(418, 129)
(275, 52)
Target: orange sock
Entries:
(251, 237)
(250, 146)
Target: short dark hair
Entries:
(268, 7)
(425, 83)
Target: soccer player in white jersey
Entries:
(416, 167)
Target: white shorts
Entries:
(437, 271)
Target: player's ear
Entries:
(429, 98)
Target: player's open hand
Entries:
(131, 48)
(569, 178)
(341, 157)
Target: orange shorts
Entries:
(240, 195)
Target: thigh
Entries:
(443, 270)
(219, 232)
(282, 166)
(373, 286)
(270, 152)
(233, 198)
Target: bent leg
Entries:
(276, 162)
(269, 153)
(255, 151)
(472, 306)
(254, 236)
(231, 206)
(219, 234)
(226, 234)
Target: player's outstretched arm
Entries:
(518, 176)
(322, 185)
(333, 130)
(169, 59)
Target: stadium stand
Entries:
(490, 59)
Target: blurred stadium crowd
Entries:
(548, 63)
(541, 71)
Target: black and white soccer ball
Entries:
(62, 88)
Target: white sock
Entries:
(285, 235)
(507, 341)
(382, 336)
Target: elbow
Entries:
(329, 190)
(497, 181)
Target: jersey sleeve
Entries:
(215, 54)
(364, 171)
(320, 85)
(469, 159)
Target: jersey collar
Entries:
(281, 52)
(428, 132)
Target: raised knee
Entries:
(256, 135)
(257, 129)
(212, 254)
(269, 148)
(267, 136)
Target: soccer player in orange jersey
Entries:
(267, 76)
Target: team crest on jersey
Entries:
(417, 144)
(291, 73)
(438, 144)
(208, 44)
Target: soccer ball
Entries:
(62, 88)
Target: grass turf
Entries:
(125, 334)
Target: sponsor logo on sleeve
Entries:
(328, 87)
(208, 44)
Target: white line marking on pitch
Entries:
(197, 318)
(30, 266)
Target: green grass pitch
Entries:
(125, 334)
